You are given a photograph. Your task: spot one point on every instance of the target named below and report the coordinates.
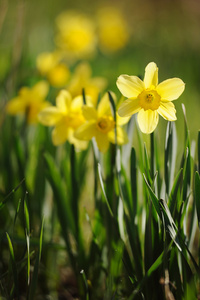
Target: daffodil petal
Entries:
(50, 116)
(60, 134)
(89, 112)
(102, 141)
(167, 111)
(122, 120)
(80, 145)
(129, 107)
(41, 88)
(151, 75)
(86, 131)
(63, 100)
(15, 106)
(170, 89)
(122, 137)
(104, 107)
(77, 102)
(147, 120)
(130, 86)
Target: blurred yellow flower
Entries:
(29, 101)
(101, 125)
(82, 78)
(76, 34)
(113, 32)
(66, 117)
(50, 65)
(149, 98)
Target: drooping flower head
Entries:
(66, 117)
(149, 98)
(100, 124)
(29, 102)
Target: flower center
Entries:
(105, 124)
(149, 99)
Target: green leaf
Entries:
(198, 149)
(12, 192)
(60, 194)
(134, 183)
(146, 166)
(26, 215)
(170, 224)
(153, 197)
(103, 190)
(197, 195)
(173, 198)
(33, 284)
(13, 265)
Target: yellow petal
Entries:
(129, 107)
(15, 106)
(122, 120)
(79, 144)
(104, 107)
(89, 112)
(49, 116)
(147, 120)
(151, 75)
(170, 89)
(77, 102)
(41, 88)
(102, 141)
(167, 111)
(60, 134)
(63, 100)
(86, 131)
(122, 137)
(130, 86)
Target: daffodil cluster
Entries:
(78, 122)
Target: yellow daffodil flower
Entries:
(50, 65)
(76, 34)
(30, 101)
(66, 117)
(100, 124)
(113, 33)
(149, 98)
(82, 78)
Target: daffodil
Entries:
(66, 117)
(100, 124)
(76, 34)
(149, 98)
(50, 64)
(113, 33)
(29, 102)
(82, 78)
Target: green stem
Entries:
(152, 155)
(74, 198)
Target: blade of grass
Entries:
(197, 195)
(103, 190)
(33, 284)
(12, 192)
(63, 207)
(13, 265)
(153, 197)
